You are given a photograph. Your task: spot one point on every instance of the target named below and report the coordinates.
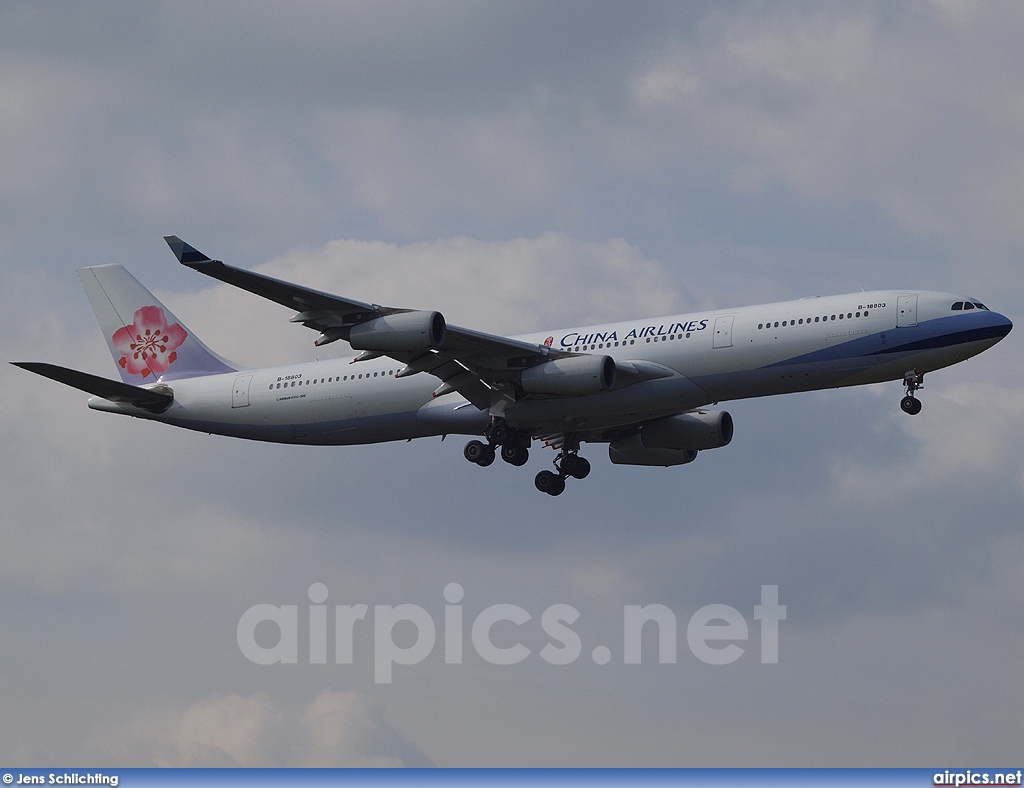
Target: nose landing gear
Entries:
(913, 381)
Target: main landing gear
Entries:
(568, 463)
(514, 446)
(913, 381)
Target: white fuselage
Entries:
(713, 356)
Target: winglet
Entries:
(185, 253)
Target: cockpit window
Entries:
(968, 305)
(958, 306)
(982, 306)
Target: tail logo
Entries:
(149, 344)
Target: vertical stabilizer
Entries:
(147, 341)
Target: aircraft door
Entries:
(723, 331)
(240, 392)
(906, 310)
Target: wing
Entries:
(477, 365)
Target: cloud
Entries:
(912, 111)
(335, 729)
(42, 109)
(972, 435)
(408, 170)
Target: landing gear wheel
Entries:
(574, 465)
(499, 432)
(910, 405)
(581, 470)
(515, 455)
(480, 453)
(550, 483)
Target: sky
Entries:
(519, 167)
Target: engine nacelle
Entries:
(408, 331)
(707, 429)
(579, 375)
(632, 451)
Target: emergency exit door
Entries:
(240, 393)
(723, 331)
(906, 310)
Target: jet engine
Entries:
(705, 429)
(631, 451)
(578, 375)
(404, 331)
(673, 440)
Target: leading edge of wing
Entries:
(302, 299)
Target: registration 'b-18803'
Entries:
(643, 387)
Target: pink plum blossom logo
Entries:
(549, 341)
(148, 344)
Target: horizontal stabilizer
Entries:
(153, 400)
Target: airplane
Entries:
(643, 387)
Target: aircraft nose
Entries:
(1002, 324)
